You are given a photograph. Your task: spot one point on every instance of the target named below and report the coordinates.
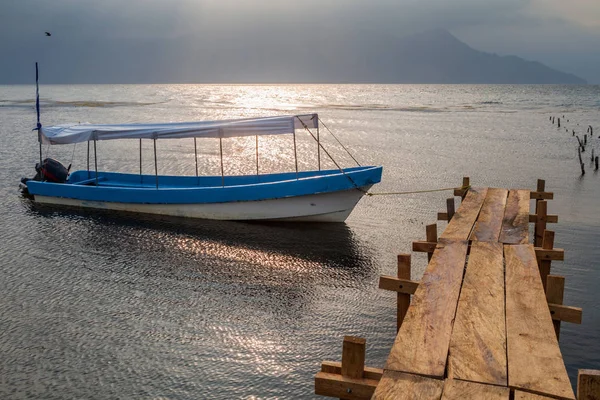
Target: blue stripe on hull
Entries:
(133, 188)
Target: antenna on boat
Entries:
(37, 109)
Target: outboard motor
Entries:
(51, 171)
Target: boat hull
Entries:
(321, 207)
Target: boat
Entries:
(319, 195)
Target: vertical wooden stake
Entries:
(403, 298)
(431, 232)
(544, 265)
(596, 161)
(353, 357)
(465, 185)
(555, 288)
(540, 224)
(588, 384)
(541, 187)
(450, 208)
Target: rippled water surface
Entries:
(105, 305)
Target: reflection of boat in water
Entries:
(319, 195)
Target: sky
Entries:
(121, 41)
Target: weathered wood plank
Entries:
(334, 385)
(335, 367)
(461, 224)
(534, 359)
(520, 395)
(397, 385)
(515, 224)
(421, 346)
(455, 389)
(478, 343)
(565, 313)
(397, 284)
(588, 384)
(489, 222)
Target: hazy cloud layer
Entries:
(140, 40)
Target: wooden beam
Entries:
(549, 254)
(335, 367)
(555, 288)
(419, 348)
(550, 219)
(423, 246)
(540, 223)
(395, 385)
(545, 264)
(565, 313)
(541, 195)
(334, 385)
(461, 225)
(478, 343)
(450, 207)
(534, 359)
(455, 389)
(402, 299)
(515, 223)
(431, 236)
(442, 216)
(588, 384)
(520, 395)
(405, 286)
(353, 357)
(489, 223)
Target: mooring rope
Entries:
(417, 191)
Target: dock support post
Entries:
(588, 384)
(450, 209)
(353, 357)
(544, 265)
(403, 298)
(431, 233)
(555, 288)
(541, 187)
(540, 224)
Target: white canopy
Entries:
(66, 134)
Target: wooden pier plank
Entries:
(515, 224)
(535, 363)
(461, 224)
(398, 385)
(519, 395)
(489, 222)
(455, 389)
(478, 342)
(421, 346)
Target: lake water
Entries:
(105, 306)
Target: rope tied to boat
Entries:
(417, 191)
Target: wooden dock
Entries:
(484, 320)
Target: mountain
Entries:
(257, 55)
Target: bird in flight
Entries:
(48, 33)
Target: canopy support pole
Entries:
(196, 156)
(88, 159)
(318, 147)
(155, 164)
(96, 162)
(222, 171)
(141, 177)
(37, 110)
(257, 155)
(295, 154)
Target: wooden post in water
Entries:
(544, 265)
(559, 122)
(585, 139)
(431, 235)
(541, 187)
(403, 298)
(596, 161)
(450, 209)
(555, 288)
(581, 162)
(540, 223)
(353, 357)
(588, 384)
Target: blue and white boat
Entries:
(319, 195)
